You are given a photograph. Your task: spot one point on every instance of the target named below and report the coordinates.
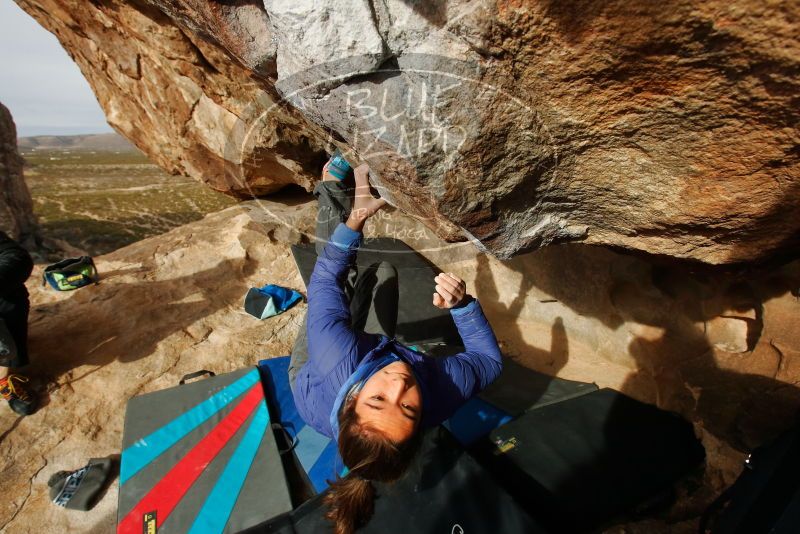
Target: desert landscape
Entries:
(99, 193)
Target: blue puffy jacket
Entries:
(335, 349)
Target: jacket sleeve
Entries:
(464, 375)
(15, 266)
(331, 338)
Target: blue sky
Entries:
(39, 83)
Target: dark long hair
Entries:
(370, 456)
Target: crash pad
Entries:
(200, 458)
(444, 490)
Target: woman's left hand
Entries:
(364, 204)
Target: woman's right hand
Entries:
(450, 291)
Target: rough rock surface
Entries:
(664, 128)
(183, 99)
(723, 350)
(16, 208)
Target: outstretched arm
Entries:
(331, 338)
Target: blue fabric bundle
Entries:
(263, 302)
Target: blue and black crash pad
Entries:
(444, 491)
(575, 463)
(579, 463)
(200, 458)
(315, 452)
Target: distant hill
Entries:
(99, 142)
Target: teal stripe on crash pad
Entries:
(148, 448)
(219, 504)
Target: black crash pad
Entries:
(444, 490)
(419, 322)
(578, 463)
(519, 388)
(766, 496)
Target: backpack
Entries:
(71, 273)
(766, 496)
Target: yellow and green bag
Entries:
(71, 273)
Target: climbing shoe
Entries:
(13, 390)
(338, 167)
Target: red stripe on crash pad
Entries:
(166, 494)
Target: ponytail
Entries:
(370, 456)
(351, 503)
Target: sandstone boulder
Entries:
(16, 207)
(182, 98)
(669, 129)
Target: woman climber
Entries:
(351, 379)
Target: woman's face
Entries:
(390, 402)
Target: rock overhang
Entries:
(671, 132)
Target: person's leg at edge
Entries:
(13, 389)
(334, 202)
(14, 334)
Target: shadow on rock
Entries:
(695, 337)
(126, 321)
(518, 386)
